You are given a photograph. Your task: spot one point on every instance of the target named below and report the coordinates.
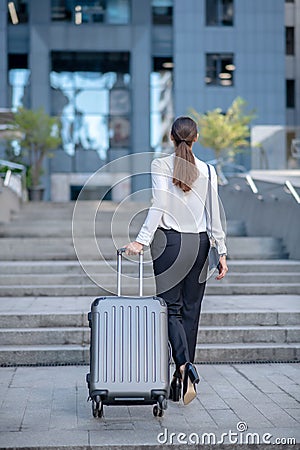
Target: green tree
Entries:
(38, 134)
(226, 134)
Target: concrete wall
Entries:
(96, 185)
(9, 203)
(271, 141)
(276, 214)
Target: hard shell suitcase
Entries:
(129, 361)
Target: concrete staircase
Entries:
(53, 338)
(253, 314)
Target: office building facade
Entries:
(118, 71)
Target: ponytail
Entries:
(185, 170)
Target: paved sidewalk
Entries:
(46, 407)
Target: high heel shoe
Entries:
(175, 387)
(190, 378)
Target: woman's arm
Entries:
(217, 229)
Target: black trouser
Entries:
(178, 260)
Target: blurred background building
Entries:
(118, 71)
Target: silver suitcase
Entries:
(129, 356)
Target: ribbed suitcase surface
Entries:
(129, 350)
(129, 361)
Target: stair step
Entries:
(18, 320)
(106, 226)
(205, 353)
(255, 248)
(62, 248)
(110, 278)
(247, 352)
(248, 334)
(128, 289)
(45, 336)
(233, 319)
(12, 355)
(206, 335)
(65, 267)
(235, 228)
(73, 267)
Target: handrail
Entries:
(22, 168)
(263, 192)
(251, 184)
(12, 165)
(292, 191)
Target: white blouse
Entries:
(182, 211)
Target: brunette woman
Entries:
(176, 228)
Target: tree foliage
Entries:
(229, 131)
(38, 134)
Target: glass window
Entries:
(220, 69)
(17, 11)
(91, 93)
(161, 103)
(91, 11)
(219, 12)
(18, 81)
(290, 40)
(290, 93)
(162, 12)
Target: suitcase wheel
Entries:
(158, 409)
(97, 408)
(157, 412)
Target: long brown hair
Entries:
(184, 132)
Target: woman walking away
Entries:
(176, 228)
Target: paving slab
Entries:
(46, 407)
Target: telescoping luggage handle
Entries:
(120, 251)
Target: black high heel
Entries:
(190, 378)
(175, 387)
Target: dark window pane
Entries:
(212, 12)
(219, 69)
(211, 69)
(219, 12)
(290, 93)
(90, 62)
(17, 61)
(289, 40)
(227, 12)
(91, 11)
(162, 12)
(17, 11)
(162, 63)
(61, 10)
